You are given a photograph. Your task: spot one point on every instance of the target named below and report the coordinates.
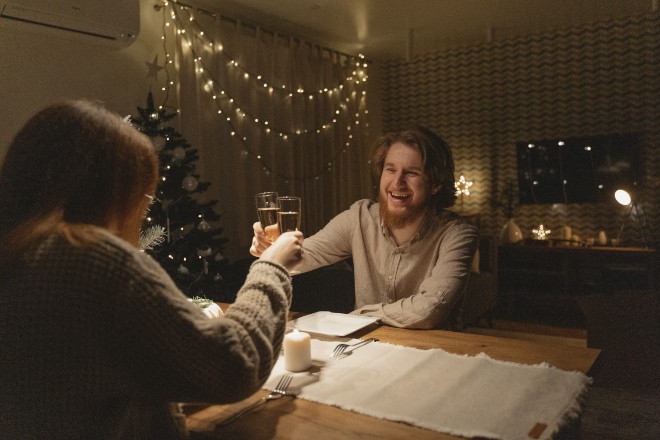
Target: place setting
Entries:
(470, 395)
(299, 367)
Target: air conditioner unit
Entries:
(115, 22)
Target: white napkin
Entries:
(461, 395)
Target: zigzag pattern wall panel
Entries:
(582, 81)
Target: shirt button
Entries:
(390, 300)
(389, 277)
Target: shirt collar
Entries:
(429, 220)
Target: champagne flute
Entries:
(289, 216)
(267, 208)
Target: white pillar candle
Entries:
(566, 232)
(297, 351)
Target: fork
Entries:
(341, 348)
(277, 392)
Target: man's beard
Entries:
(408, 215)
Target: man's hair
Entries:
(73, 163)
(437, 161)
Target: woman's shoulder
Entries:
(99, 251)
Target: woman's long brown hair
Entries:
(73, 164)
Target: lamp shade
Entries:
(623, 197)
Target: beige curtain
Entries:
(268, 112)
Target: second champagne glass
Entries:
(267, 208)
(289, 216)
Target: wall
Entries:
(482, 98)
(39, 68)
(42, 67)
(589, 80)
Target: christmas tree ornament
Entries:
(153, 68)
(204, 252)
(159, 143)
(179, 153)
(204, 226)
(189, 183)
(182, 270)
(151, 237)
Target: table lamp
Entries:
(624, 198)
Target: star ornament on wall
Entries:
(541, 233)
(153, 68)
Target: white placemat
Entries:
(469, 396)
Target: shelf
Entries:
(569, 271)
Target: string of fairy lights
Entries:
(347, 97)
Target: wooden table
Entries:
(290, 418)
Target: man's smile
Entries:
(400, 196)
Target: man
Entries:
(411, 256)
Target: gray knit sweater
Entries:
(95, 342)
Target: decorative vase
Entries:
(511, 232)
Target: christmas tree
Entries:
(188, 247)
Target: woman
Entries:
(95, 338)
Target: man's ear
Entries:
(435, 189)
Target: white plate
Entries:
(332, 324)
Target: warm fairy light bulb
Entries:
(194, 35)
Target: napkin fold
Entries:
(469, 396)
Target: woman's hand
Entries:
(287, 250)
(260, 241)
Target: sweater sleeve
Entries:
(175, 352)
(332, 243)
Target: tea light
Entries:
(297, 351)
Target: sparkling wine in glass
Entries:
(267, 209)
(289, 216)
